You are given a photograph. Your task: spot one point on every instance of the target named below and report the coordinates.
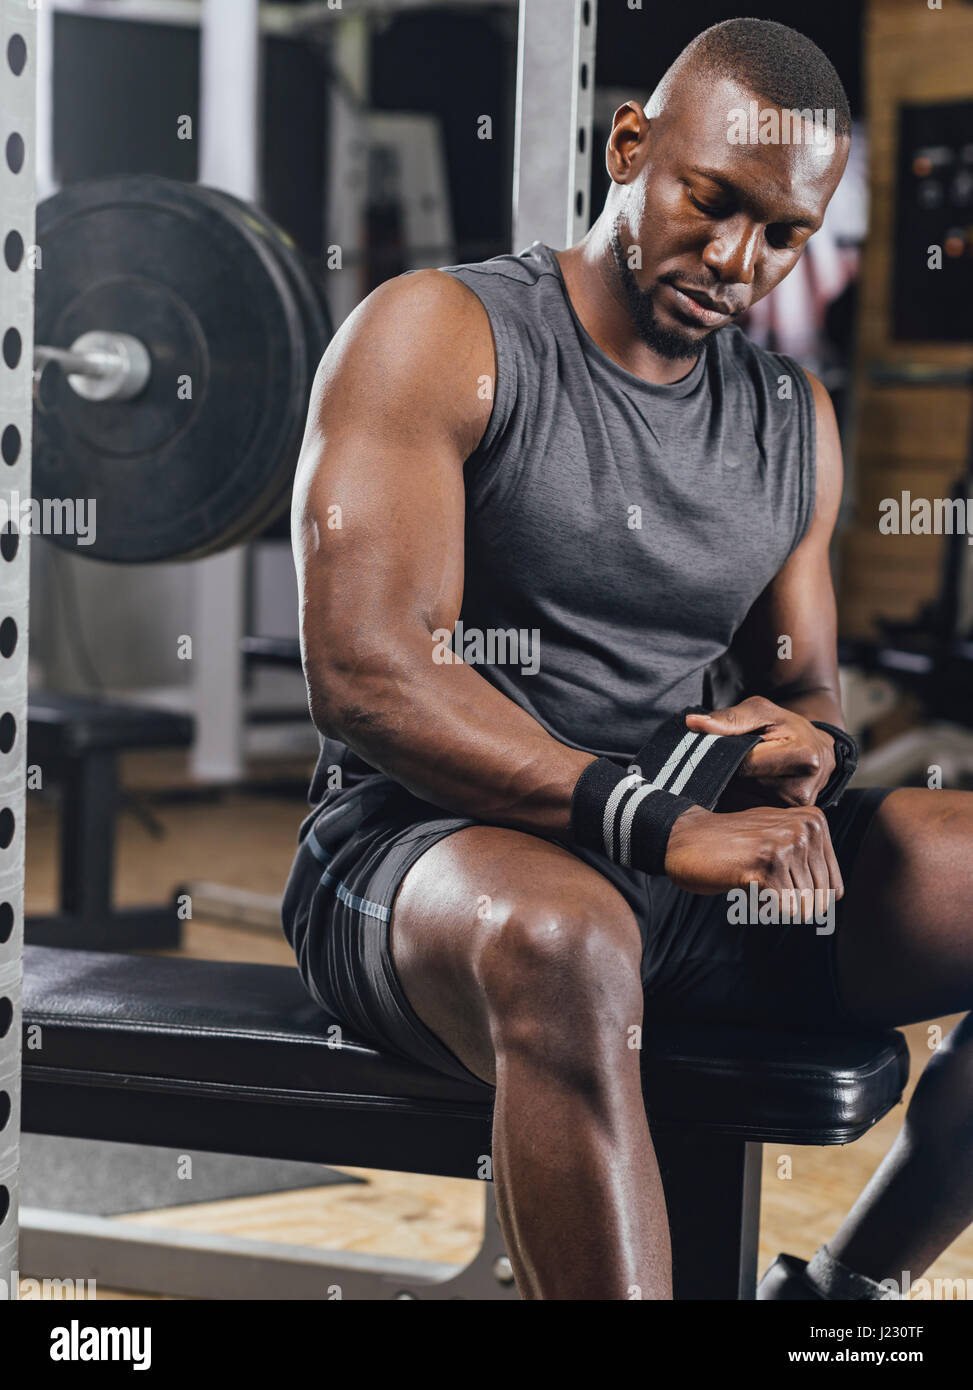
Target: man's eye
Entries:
(781, 238)
(704, 207)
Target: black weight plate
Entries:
(171, 478)
(307, 291)
(318, 329)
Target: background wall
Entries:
(905, 438)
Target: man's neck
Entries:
(592, 281)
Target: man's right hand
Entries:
(789, 848)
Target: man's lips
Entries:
(698, 305)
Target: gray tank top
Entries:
(617, 532)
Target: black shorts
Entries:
(698, 962)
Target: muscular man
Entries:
(581, 453)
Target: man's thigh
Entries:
(457, 904)
(905, 953)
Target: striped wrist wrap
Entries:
(628, 813)
(623, 816)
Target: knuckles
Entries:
(798, 831)
(810, 760)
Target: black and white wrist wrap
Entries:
(628, 813)
(622, 815)
(845, 763)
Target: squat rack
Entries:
(555, 93)
(17, 199)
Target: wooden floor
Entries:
(248, 841)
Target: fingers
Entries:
(831, 860)
(802, 886)
(817, 874)
(731, 721)
(787, 773)
(750, 714)
(771, 759)
(784, 755)
(805, 870)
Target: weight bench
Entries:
(236, 1059)
(76, 740)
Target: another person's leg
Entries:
(905, 954)
(525, 962)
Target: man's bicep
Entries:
(380, 536)
(379, 497)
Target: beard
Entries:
(673, 344)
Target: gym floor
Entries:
(390, 1213)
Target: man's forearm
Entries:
(450, 737)
(813, 702)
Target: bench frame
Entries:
(194, 1264)
(715, 1206)
(711, 1180)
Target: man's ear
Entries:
(630, 125)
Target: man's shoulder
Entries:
(524, 267)
(452, 295)
(420, 313)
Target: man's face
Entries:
(718, 222)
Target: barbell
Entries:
(178, 330)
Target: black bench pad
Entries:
(152, 1046)
(61, 726)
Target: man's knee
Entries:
(562, 981)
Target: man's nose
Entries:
(733, 253)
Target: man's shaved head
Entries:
(771, 60)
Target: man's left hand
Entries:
(789, 767)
